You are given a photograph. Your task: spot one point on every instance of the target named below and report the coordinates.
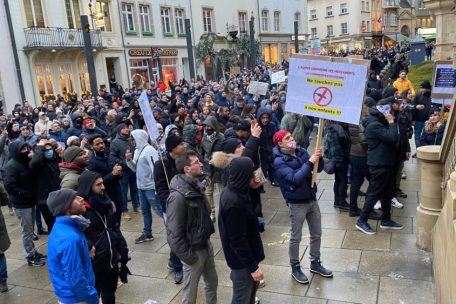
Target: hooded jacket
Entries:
(18, 179)
(104, 231)
(118, 147)
(382, 139)
(294, 174)
(266, 143)
(209, 146)
(188, 224)
(75, 129)
(143, 161)
(46, 173)
(238, 224)
(69, 175)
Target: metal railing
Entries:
(57, 37)
(391, 3)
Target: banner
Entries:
(278, 77)
(148, 116)
(257, 87)
(328, 90)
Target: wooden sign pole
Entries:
(321, 126)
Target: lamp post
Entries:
(91, 12)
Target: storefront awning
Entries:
(429, 37)
(397, 37)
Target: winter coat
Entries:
(404, 123)
(374, 84)
(18, 179)
(60, 137)
(266, 143)
(238, 223)
(43, 127)
(188, 224)
(421, 99)
(358, 145)
(75, 129)
(46, 173)
(337, 144)
(299, 126)
(69, 263)
(90, 132)
(294, 174)
(162, 179)
(143, 161)
(69, 175)
(117, 149)
(209, 146)
(433, 138)
(5, 241)
(382, 139)
(4, 154)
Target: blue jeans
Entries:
(244, 287)
(3, 273)
(148, 200)
(129, 180)
(419, 125)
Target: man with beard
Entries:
(90, 128)
(100, 162)
(74, 163)
(103, 237)
(121, 150)
(422, 103)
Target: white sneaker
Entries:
(396, 204)
(378, 205)
(257, 301)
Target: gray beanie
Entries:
(60, 201)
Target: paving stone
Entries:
(151, 246)
(327, 195)
(327, 207)
(281, 218)
(332, 238)
(338, 221)
(274, 204)
(403, 291)
(148, 264)
(274, 298)
(139, 289)
(338, 302)
(278, 279)
(342, 260)
(350, 287)
(396, 265)
(14, 264)
(409, 209)
(224, 295)
(32, 277)
(406, 221)
(359, 240)
(405, 243)
(21, 295)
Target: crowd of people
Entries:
(76, 165)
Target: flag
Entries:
(379, 20)
(148, 116)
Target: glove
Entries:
(123, 273)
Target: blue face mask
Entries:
(282, 98)
(48, 154)
(232, 86)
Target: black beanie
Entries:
(230, 145)
(426, 84)
(60, 201)
(172, 142)
(369, 102)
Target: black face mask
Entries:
(78, 121)
(210, 131)
(24, 156)
(100, 202)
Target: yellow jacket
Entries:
(402, 85)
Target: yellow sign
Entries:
(324, 110)
(325, 82)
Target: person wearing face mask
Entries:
(20, 183)
(294, 168)
(103, 235)
(76, 128)
(45, 165)
(422, 103)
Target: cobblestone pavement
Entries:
(384, 268)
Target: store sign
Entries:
(148, 52)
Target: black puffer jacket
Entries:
(18, 179)
(266, 143)
(46, 173)
(104, 230)
(382, 139)
(188, 224)
(162, 178)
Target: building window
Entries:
(297, 18)
(180, 16)
(144, 15)
(34, 13)
(329, 11)
(265, 20)
(166, 21)
(329, 30)
(102, 16)
(363, 8)
(84, 78)
(393, 19)
(421, 5)
(276, 21)
(73, 13)
(128, 22)
(368, 26)
(343, 8)
(313, 14)
(242, 22)
(314, 33)
(44, 79)
(66, 78)
(344, 28)
(367, 6)
(385, 20)
(207, 20)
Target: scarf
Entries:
(83, 223)
(430, 127)
(211, 137)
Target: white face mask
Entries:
(291, 145)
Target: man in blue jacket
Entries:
(69, 263)
(294, 168)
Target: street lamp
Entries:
(91, 12)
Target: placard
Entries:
(149, 119)
(326, 87)
(315, 46)
(444, 81)
(278, 77)
(258, 87)
(235, 70)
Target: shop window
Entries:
(266, 53)
(139, 72)
(66, 79)
(34, 13)
(44, 80)
(102, 16)
(84, 78)
(73, 14)
(284, 51)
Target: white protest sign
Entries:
(444, 80)
(148, 116)
(278, 77)
(324, 89)
(257, 87)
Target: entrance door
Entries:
(111, 63)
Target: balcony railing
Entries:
(391, 3)
(57, 37)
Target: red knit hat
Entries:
(85, 121)
(279, 135)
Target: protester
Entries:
(432, 133)
(402, 83)
(422, 103)
(4, 244)
(75, 161)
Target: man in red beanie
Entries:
(294, 167)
